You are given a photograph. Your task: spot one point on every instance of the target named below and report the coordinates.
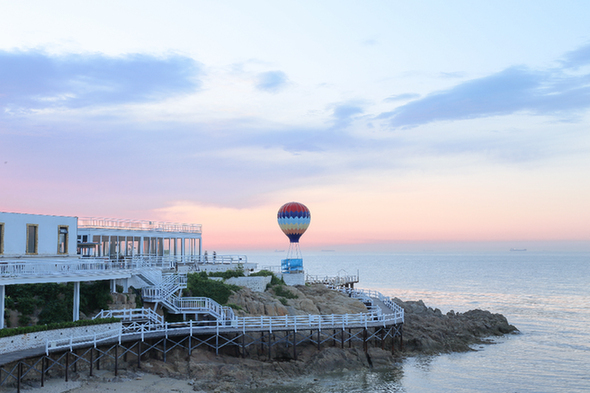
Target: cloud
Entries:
(577, 58)
(36, 80)
(456, 74)
(515, 89)
(343, 114)
(402, 97)
(271, 81)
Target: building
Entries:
(38, 248)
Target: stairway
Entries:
(168, 291)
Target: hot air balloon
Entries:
(293, 218)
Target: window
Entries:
(62, 239)
(32, 238)
(1, 238)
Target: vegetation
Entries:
(52, 326)
(199, 285)
(55, 300)
(239, 272)
(265, 273)
(281, 291)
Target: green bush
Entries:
(200, 285)
(273, 281)
(56, 300)
(239, 272)
(283, 301)
(63, 325)
(279, 290)
(234, 306)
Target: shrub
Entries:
(279, 290)
(239, 272)
(202, 286)
(273, 281)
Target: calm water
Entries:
(545, 295)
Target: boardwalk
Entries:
(138, 336)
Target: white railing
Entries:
(333, 281)
(136, 225)
(287, 322)
(369, 293)
(132, 314)
(91, 339)
(233, 323)
(51, 266)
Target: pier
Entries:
(142, 333)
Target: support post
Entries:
(269, 346)
(139, 354)
(319, 340)
(113, 286)
(67, 364)
(76, 312)
(91, 360)
(19, 375)
(116, 360)
(2, 296)
(365, 345)
(42, 371)
(295, 344)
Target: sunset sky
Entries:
(400, 124)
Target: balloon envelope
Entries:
(294, 218)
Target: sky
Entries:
(401, 125)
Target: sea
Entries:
(546, 295)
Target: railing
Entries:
(334, 281)
(287, 322)
(69, 343)
(51, 266)
(136, 225)
(369, 293)
(236, 324)
(39, 267)
(132, 314)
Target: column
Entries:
(125, 285)
(113, 286)
(2, 292)
(76, 301)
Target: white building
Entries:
(38, 248)
(35, 236)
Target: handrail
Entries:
(287, 322)
(136, 225)
(24, 267)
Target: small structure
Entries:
(294, 219)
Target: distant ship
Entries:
(518, 249)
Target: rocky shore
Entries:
(427, 331)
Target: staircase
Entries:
(167, 292)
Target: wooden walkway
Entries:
(238, 337)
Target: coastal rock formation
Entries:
(303, 300)
(429, 331)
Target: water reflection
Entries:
(367, 381)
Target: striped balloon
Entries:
(294, 218)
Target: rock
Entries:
(428, 331)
